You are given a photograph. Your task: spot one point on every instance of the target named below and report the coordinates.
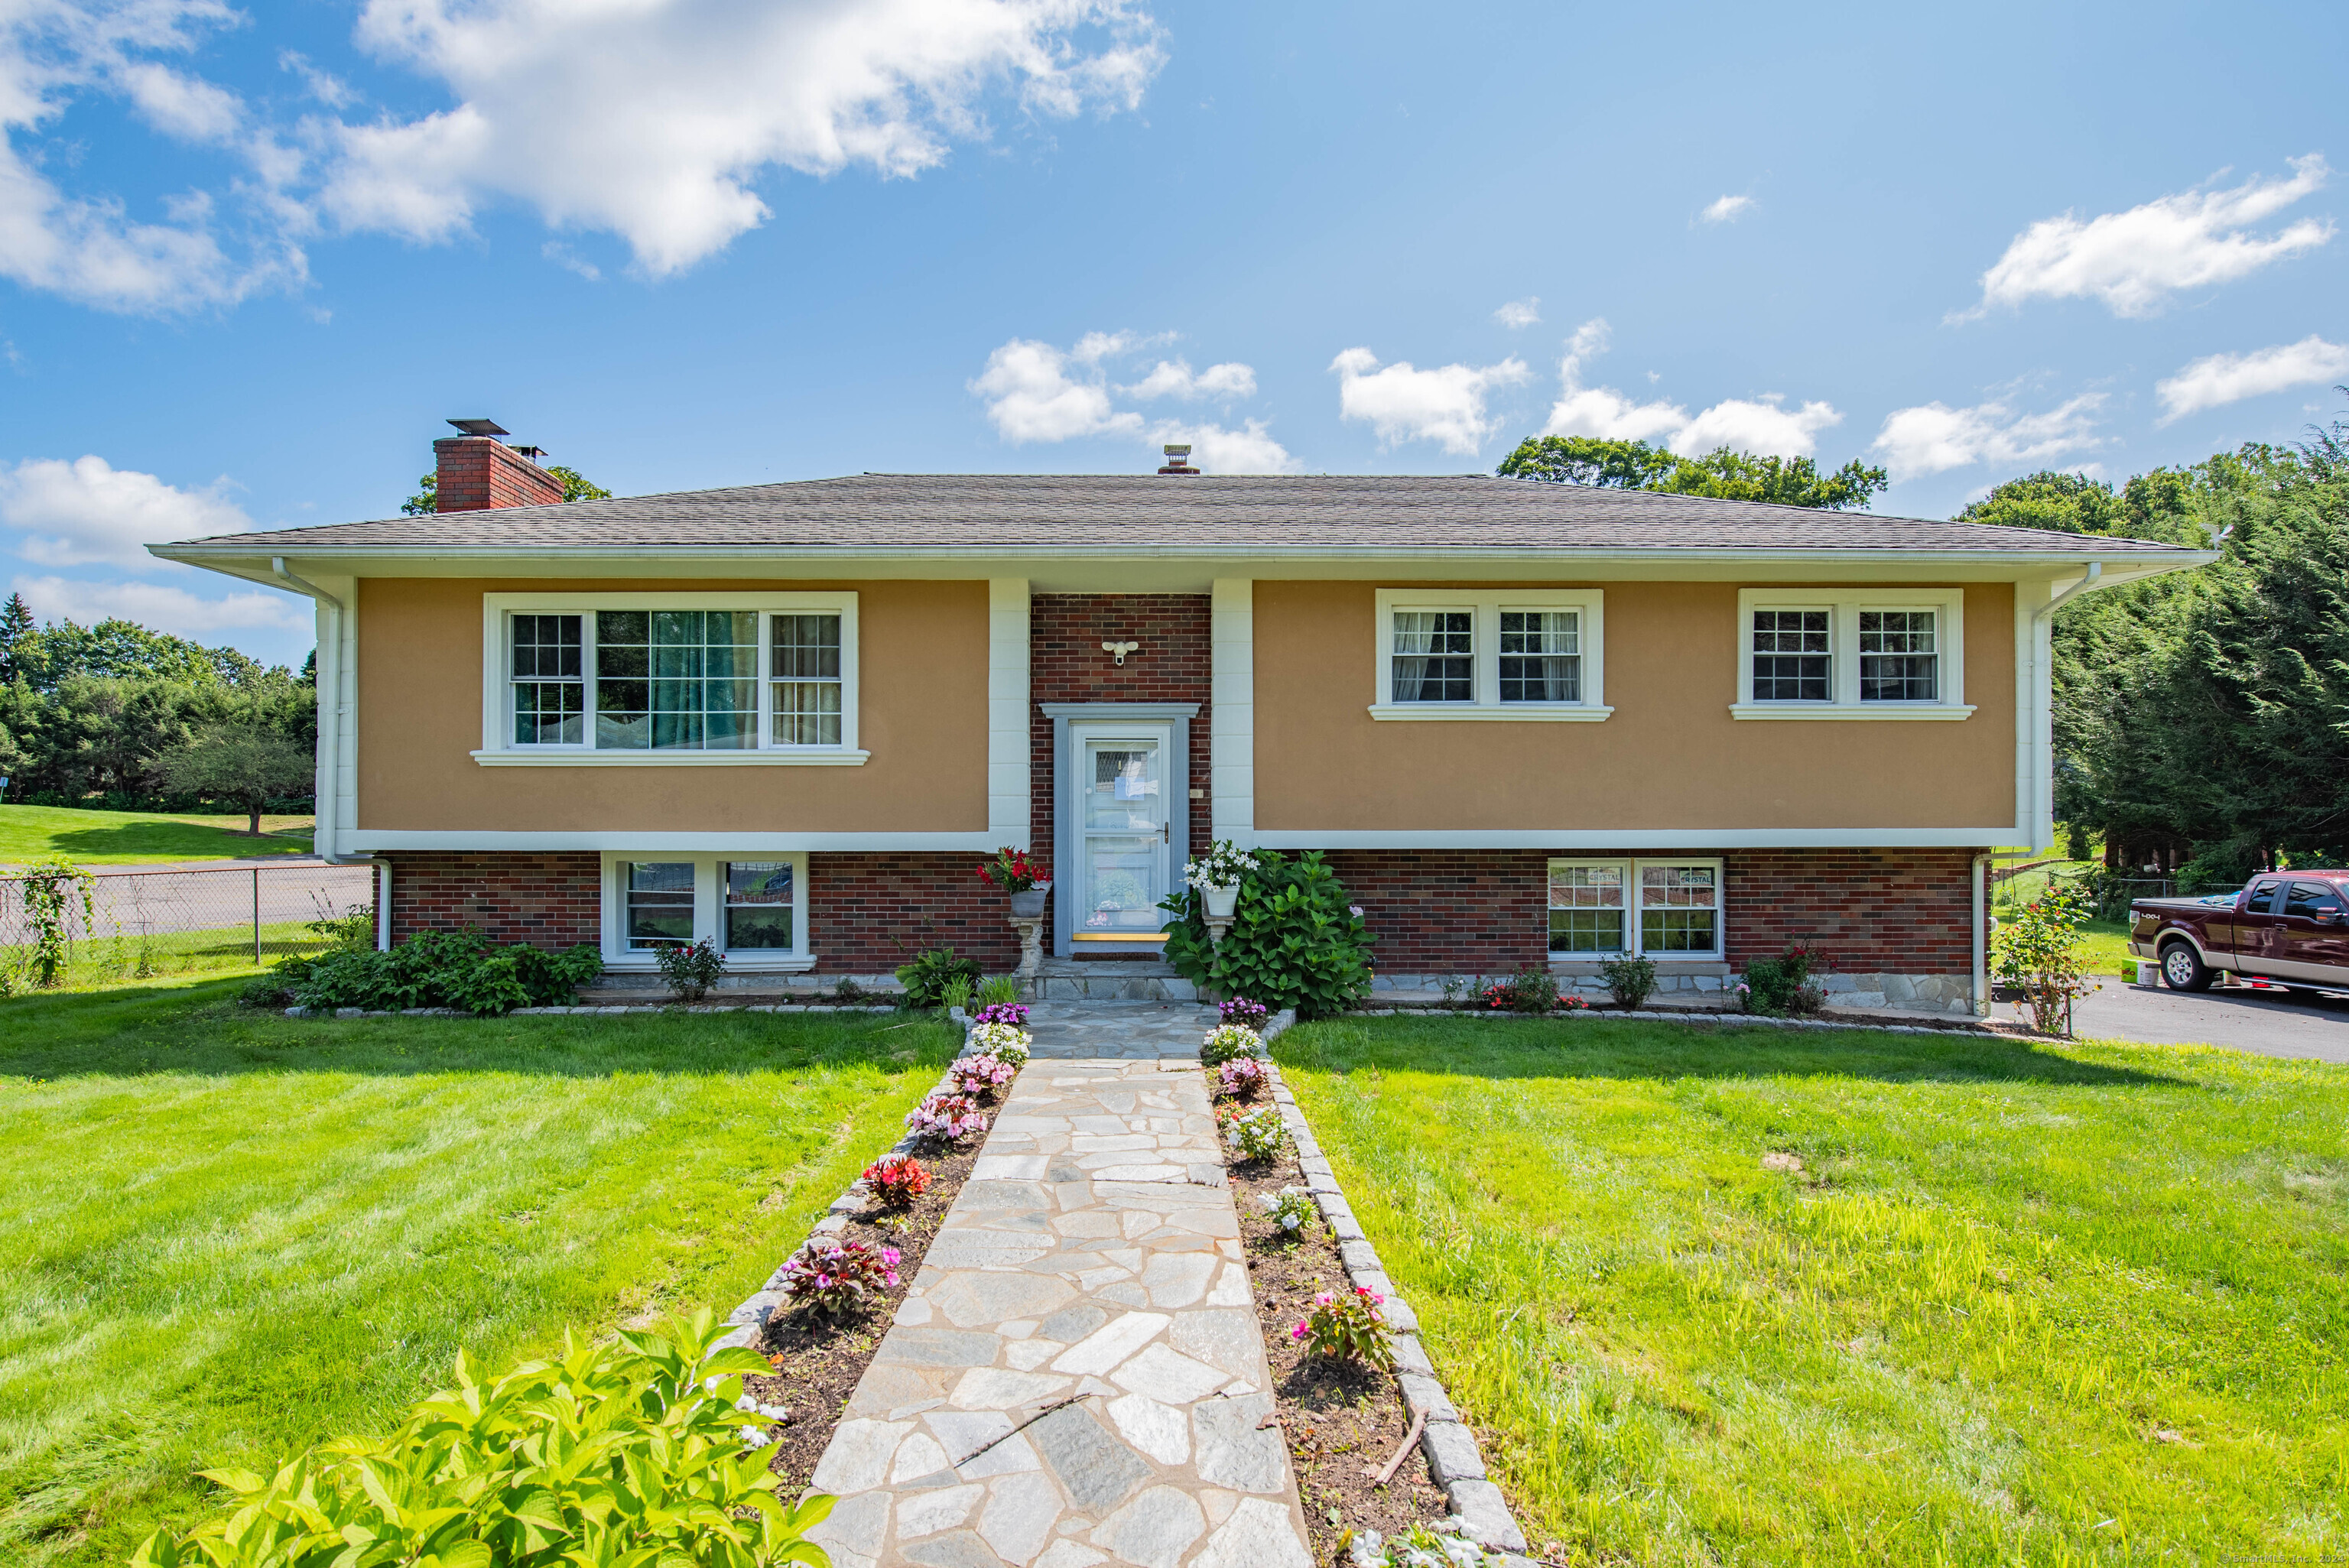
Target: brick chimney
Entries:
(477, 472)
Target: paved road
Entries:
(209, 895)
(2273, 1023)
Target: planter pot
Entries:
(1029, 905)
(1222, 899)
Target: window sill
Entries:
(1517, 713)
(1945, 711)
(552, 756)
(1582, 967)
(638, 963)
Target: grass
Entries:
(111, 963)
(2024, 1304)
(29, 833)
(227, 1235)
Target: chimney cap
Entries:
(1177, 452)
(478, 426)
(533, 453)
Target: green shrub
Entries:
(2039, 953)
(932, 972)
(1002, 991)
(1294, 942)
(461, 969)
(1527, 991)
(689, 968)
(1783, 987)
(627, 1453)
(1631, 980)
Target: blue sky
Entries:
(250, 256)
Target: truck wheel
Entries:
(2182, 968)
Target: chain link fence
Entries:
(125, 924)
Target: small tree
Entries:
(2040, 955)
(241, 762)
(575, 487)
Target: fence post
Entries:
(256, 916)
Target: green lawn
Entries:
(226, 1235)
(29, 833)
(2024, 1303)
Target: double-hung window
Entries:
(670, 678)
(1528, 654)
(1658, 909)
(1852, 653)
(751, 909)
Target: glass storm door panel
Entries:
(1122, 821)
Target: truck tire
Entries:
(2182, 968)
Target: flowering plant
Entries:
(982, 1078)
(1292, 1210)
(896, 1180)
(948, 1117)
(1527, 991)
(1417, 1547)
(1005, 1042)
(1348, 1327)
(1013, 1013)
(1225, 1041)
(1222, 865)
(1239, 1079)
(837, 1278)
(1015, 870)
(1248, 1014)
(1256, 1134)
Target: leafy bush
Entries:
(1295, 942)
(1527, 991)
(1348, 1327)
(623, 1453)
(946, 1118)
(461, 969)
(349, 931)
(1292, 1210)
(927, 977)
(1239, 1079)
(1226, 1041)
(1633, 980)
(838, 1279)
(1248, 1014)
(689, 969)
(896, 1180)
(954, 995)
(1783, 987)
(1002, 991)
(2038, 951)
(981, 1076)
(1256, 1134)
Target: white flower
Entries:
(753, 1437)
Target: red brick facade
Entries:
(548, 899)
(867, 913)
(1066, 664)
(477, 473)
(1870, 911)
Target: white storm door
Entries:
(1121, 831)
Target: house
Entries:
(1529, 724)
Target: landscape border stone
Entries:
(1953, 1027)
(607, 1009)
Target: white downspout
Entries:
(382, 906)
(1982, 935)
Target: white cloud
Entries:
(1032, 397)
(2133, 261)
(1933, 438)
(1216, 451)
(1750, 425)
(1174, 379)
(2222, 378)
(87, 511)
(562, 256)
(1727, 208)
(327, 88)
(1403, 403)
(654, 119)
(173, 610)
(182, 106)
(1519, 312)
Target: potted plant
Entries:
(1216, 874)
(1022, 875)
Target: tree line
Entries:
(2202, 718)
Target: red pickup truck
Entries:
(2288, 927)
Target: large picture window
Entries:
(1850, 652)
(1530, 653)
(754, 911)
(671, 678)
(1658, 909)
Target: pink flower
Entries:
(1298, 1331)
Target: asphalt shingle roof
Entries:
(1095, 512)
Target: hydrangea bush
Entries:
(1348, 1327)
(1242, 1078)
(1226, 1041)
(981, 1076)
(838, 1279)
(946, 1118)
(896, 1180)
(1256, 1134)
(1292, 1209)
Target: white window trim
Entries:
(498, 748)
(707, 909)
(1632, 869)
(1590, 603)
(1949, 605)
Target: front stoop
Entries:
(1109, 980)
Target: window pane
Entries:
(659, 896)
(806, 674)
(759, 904)
(1585, 930)
(1679, 909)
(1541, 656)
(549, 687)
(1898, 660)
(1434, 656)
(1585, 887)
(676, 680)
(1792, 660)
(807, 713)
(1676, 931)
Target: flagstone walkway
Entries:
(1076, 1375)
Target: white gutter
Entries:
(324, 829)
(2088, 584)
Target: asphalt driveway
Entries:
(2275, 1023)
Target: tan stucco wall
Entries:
(1671, 755)
(922, 678)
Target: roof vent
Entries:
(478, 426)
(1178, 460)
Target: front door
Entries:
(1123, 840)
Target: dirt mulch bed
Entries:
(817, 1363)
(1341, 1421)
